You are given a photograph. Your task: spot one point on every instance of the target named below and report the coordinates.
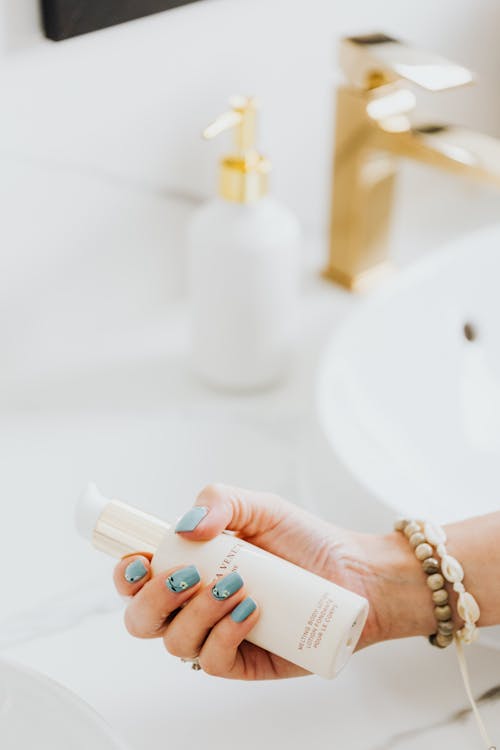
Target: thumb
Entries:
(220, 507)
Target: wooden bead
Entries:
(411, 528)
(416, 539)
(442, 612)
(431, 565)
(445, 627)
(468, 608)
(435, 581)
(400, 524)
(435, 534)
(423, 551)
(451, 569)
(440, 596)
(444, 640)
(439, 640)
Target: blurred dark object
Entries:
(66, 18)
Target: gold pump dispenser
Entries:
(244, 173)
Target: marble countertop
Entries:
(137, 421)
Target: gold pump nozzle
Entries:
(244, 173)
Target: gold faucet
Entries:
(375, 126)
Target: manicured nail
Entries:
(243, 610)
(192, 518)
(135, 571)
(183, 579)
(227, 586)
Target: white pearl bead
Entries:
(458, 587)
(451, 569)
(435, 534)
(468, 608)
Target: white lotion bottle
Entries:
(244, 268)
(304, 618)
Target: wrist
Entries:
(396, 588)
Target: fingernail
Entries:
(135, 571)
(183, 579)
(227, 586)
(192, 518)
(243, 610)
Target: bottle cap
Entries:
(116, 528)
(244, 173)
(89, 507)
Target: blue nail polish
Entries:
(227, 586)
(183, 579)
(135, 571)
(243, 610)
(192, 518)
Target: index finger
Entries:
(131, 573)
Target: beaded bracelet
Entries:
(424, 552)
(422, 538)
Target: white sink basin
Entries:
(37, 712)
(408, 402)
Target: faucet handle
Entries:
(375, 59)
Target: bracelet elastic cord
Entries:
(423, 537)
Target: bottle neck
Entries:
(122, 530)
(244, 179)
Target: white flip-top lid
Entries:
(88, 510)
(116, 528)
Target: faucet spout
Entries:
(455, 149)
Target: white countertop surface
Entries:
(127, 412)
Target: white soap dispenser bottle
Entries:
(244, 268)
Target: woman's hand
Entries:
(179, 608)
